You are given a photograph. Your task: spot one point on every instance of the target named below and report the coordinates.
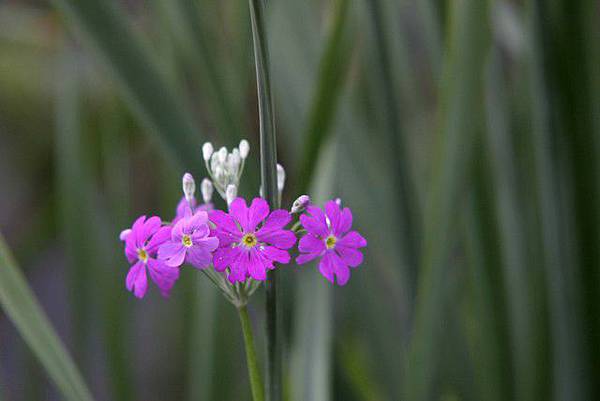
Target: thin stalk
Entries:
(268, 171)
(258, 392)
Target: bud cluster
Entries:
(225, 168)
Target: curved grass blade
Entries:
(147, 90)
(21, 306)
(334, 66)
(461, 95)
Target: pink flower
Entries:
(190, 242)
(249, 251)
(328, 238)
(183, 205)
(141, 244)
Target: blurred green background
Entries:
(464, 135)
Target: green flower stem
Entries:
(256, 384)
(268, 170)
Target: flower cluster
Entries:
(236, 248)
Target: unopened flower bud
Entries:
(280, 177)
(231, 193)
(206, 187)
(124, 234)
(244, 148)
(189, 186)
(207, 151)
(300, 204)
(222, 155)
(338, 201)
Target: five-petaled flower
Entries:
(328, 237)
(247, 249)
(190, 241)
(141, 244)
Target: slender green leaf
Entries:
(562, 123)
(334, 65)
(21, 306)
(512, 235)
(409, 224)
(312, 348)
(268, 169)
(461, 94)
(106, 30)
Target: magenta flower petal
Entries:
(257, 212)
(312, 244)
(342, 272)
(131, 253)
(159, 238)
(276, 254)
(177, 232)
(350, 256)
(226, 229)
(136, 280)
(276, 221)
(150, 227)
(172, 253)
(315, 223)
(283, 239)
(332, 210)
(345, 222)
(306, 257)
(326, 268)
(199, 257)
(224, 257)
(163, 276)
(197, 221)
(182, 207)
(353, 240)
(239, 211)
(255, 266)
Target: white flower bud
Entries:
(300, 204)
(189, 186)
(222, 155)
(280, 177)
(233, 162)
(207, 151)
(124, 234)
(244, 148)
(231, 193)
(206, 187)
(338, 201)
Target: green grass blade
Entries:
(461, 95)
(561, 112)
(21, 306)
(106, 30)
(310, 364)
(334, 66)
(409, 224)
(519, 272)
(73, 198)
(268, 173)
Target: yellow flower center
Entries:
(249, 240)
(142, 255)
(330, 242)
(187, 241)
